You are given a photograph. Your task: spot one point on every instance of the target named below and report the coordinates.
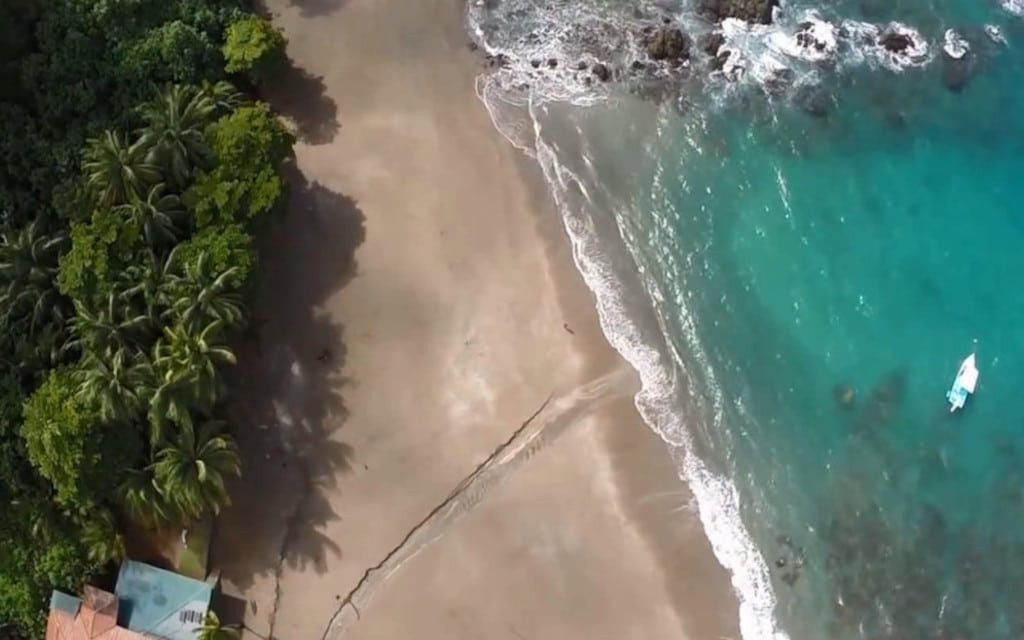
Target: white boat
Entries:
(964, 384)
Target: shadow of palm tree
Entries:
(287, 393)
(317, 8)
(302, 98)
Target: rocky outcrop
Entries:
(753, 11)
(497, 61)
(711, 42)
(668, 43)
(894, 41)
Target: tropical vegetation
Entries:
(135, 165)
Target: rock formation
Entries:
(753, 11)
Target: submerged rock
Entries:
(753, 11)
(844, 395)
(668, 43)
(957, 63)
(815, 101)
(892, 387)
(601, 71)
(779, 81)
(956, 72)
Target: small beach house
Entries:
(147, 603)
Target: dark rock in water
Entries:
(669, 44)
(552, 63)
(499, 60)
(892, 388)
(711, 42)
(602, 72)
(779, 81)
(895, 41)
(718, 62)
(754, 11)
(815, 101)
(581, 65)
(956, 72)
(535, 64)
(844, 395)
(638, 65)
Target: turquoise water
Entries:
(789, 260)
(865, 253)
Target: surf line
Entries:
(555, 417)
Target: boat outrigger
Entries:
(963, 385)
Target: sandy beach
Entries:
(426, 390)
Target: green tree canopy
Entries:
(254, 47)
(71, 445)
(191, 469)
(250, 146)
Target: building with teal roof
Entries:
(160, 603)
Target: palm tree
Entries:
(212, 629)
(120, 383)
(226, 98)
(142, 501)
(102, 540)
(174, 134)
(187, 360)
(150, 283)
(202, 296)
(111, 328)
(158, 215)
(28, 272)
(116, 170)
(191, 469)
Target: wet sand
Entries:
(418, 305)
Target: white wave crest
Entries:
(954, 45)
(995, 34)
(1016, 7)
(816, 40)
(718, 500)
(868, 42)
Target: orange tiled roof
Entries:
(96, 620)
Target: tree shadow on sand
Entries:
(317, 8)
(302, 98)
(287, 405)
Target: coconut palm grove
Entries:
(136, 163)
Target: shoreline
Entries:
(436, 353)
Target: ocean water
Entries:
(797, 290)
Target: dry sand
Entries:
(418, 304)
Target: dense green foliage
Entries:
(254, 46)
(132, 175)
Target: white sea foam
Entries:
(1016, 7)
(717, 498)
(954, 45)
(816, 40)
(866, 43)
(995, 34)
(573, 35)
